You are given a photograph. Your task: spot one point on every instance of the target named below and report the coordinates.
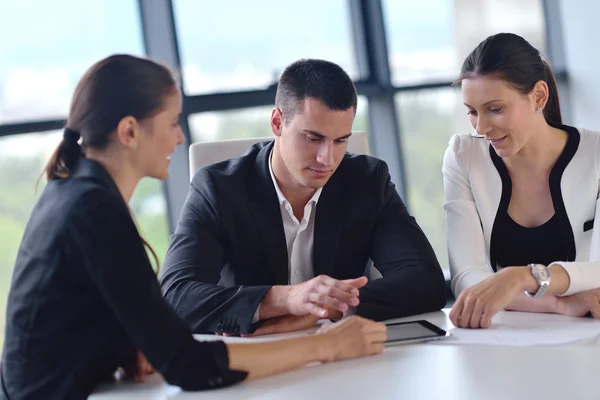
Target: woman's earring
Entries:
(540, 110)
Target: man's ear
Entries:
(128, 132)
(276, 121)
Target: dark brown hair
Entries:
(512, 59)
(113, 88)
(319, 79)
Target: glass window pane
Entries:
(361, 121)
(428, 118)
(429, 39)
(22, 159)
(149, 208)
(250, 123)
(232, 124)
(236, 44)
(47, 45)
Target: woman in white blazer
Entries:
(521, 194)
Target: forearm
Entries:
(265, 359)
(522, 276)
(545, 304)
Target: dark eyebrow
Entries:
(485, 104)
(321, 136)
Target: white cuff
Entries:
(582, 275)
(255, 317)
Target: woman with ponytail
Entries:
(84, 299)
(521, 194)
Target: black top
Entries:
(518, 245)
(229, 246)
(84, 297)
(552, 241)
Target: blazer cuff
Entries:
(225, 376)
(238, 317)
(582, 275)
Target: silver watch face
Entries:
(541, 272)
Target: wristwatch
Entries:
(542, 275)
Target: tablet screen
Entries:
(405, 331)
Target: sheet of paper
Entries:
(525, 335)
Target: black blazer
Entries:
(84, 298)
(229, 246)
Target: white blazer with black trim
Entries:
(475, 194)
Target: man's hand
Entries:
(286, 323)
(312, 297)
(138, 368)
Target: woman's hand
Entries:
(477, 304)
(352, 337)
(580, 304)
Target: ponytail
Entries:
(65, 156)
(552, 109)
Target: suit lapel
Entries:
(329, 223)
(264, 207)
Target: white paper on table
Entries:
(524, 335)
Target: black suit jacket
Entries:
(84, 297)
(229, 247)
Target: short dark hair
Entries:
(113, 88)
(512, 59)
(318, 79)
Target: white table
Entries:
(441, 370)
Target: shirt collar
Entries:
(314, 199)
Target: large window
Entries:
(47, 45)
(429, 39)
(234, 45)
(428, 118)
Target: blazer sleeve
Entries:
(464, 233)
(193, 265)
(115, 260)
(586, 275)
(413, 281)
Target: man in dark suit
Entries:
(281, 236)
